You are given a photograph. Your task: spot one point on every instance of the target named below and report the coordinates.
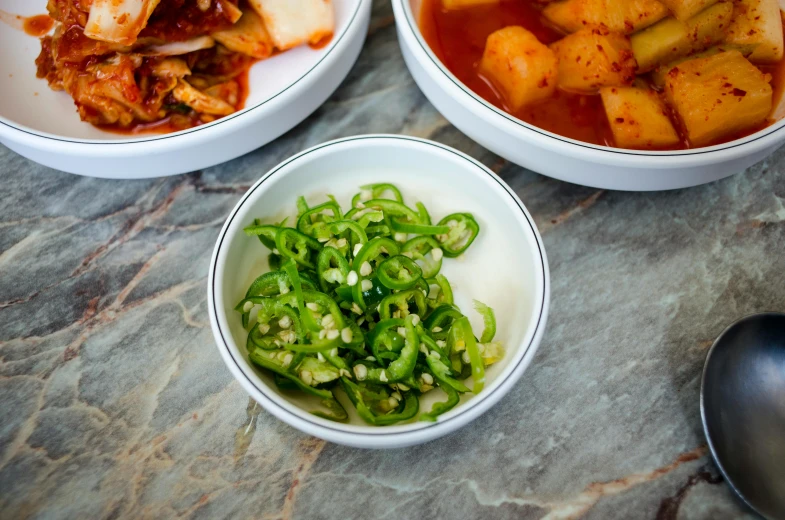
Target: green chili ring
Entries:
(389, 273)
(418, 247)
(304, 244)
(400, 299)
(457, 241)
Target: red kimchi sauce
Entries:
(457, 37)
(38, 25)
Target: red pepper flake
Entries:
(739, 92)
(619, 119)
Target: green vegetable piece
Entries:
(335, 411)
(419, 247)
(320, 372)
(290, 268)
(385, 335)
(266, 233)
(442, 317)
(297, 246)
(265, 359)
(463, 230)
(375, 191)
(358, 232)
(439, 408)
(425, 217)
(302, 206)
(394, 209)
(331, 268)
(403, 367)
(489, 319)
(402, 226)
(399, 273)
(441, 371)
(315, 223)
(401, 301)
(408, 410)
(445, 290)
(461, 331)
(369, 253)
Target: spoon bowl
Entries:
(743, 410)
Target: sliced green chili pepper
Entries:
(268, 284)
(357, 231)
(336, 412)
(314, 331)
(461, 331)
(314, 223)
(327, 303)
(364, 217)
(370, 298)
(385, 335)
(298, 246)
(331, 267)
(408, 410)
(399, 272)
(439, 408)
(489, 319)
(376, 191)
(302, 206)
(266, 233)
(401, 226)
(431, 344)
(373, 249)
(284, 383)
(442, 372)
(403, 367)
(272, 283)
(290, 268)
(394, 208)
(425, 217)
(445, 290)
(463, 231)
(378, 231)
(419, 247)
(267, 359)
(369, 253)
(401, 300)
(442, 317)
(274, 261)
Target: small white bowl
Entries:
(560, 157)
(44, 126)
(506, 268)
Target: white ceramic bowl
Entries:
(560, 157)
(43, 125)
(506, 268)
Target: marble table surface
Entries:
(114, 401)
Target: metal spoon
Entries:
(743, 410)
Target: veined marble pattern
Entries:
(114, 402)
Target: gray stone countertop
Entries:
(114, 401)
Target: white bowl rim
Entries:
(157, 138)
(411, 431)
(759, 140)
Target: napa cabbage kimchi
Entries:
(172, 64)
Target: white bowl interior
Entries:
(503, 268)
(29, 102)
